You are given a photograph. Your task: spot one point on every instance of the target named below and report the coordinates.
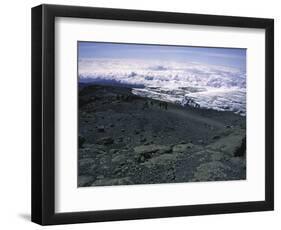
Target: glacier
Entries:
(221, 88)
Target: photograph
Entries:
(142, 114)
(153, 114)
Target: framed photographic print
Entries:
(142, 114)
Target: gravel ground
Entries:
(126, 139)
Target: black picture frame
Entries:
(43, 110)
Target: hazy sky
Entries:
(217, 56)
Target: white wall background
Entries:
(15, 114)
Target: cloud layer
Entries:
(211, 86)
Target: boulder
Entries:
(119, 158)
(105, 141)
(143, 149)
(217, 156)
(233, 144)
(145, 152)
(113, 151)
(164, 149)
(183, 147)
(162, 160)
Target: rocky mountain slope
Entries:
(128, 139)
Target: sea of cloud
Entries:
(211, 86)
